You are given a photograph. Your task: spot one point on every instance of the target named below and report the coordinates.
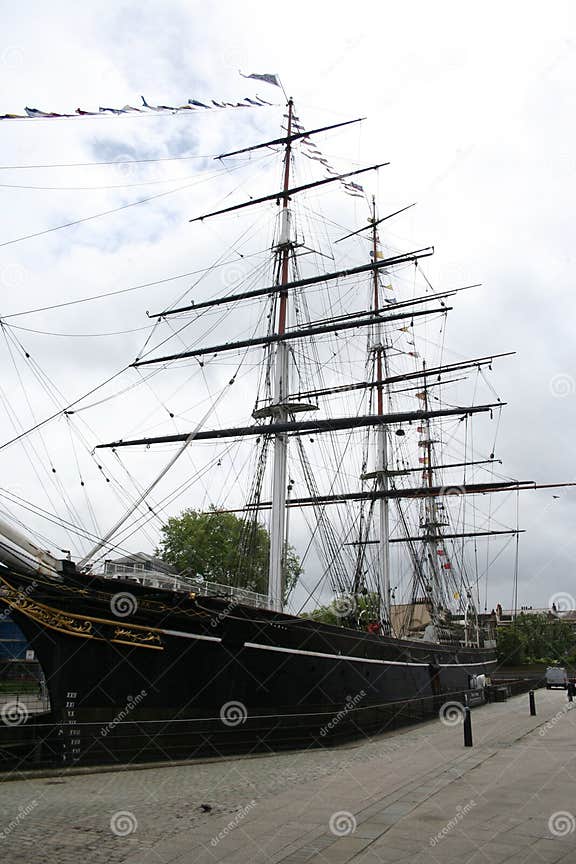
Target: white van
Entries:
(556, 676)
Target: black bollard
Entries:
(532, 704)
(467, 728)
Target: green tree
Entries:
(348, 611)
(223, 548)
(536, 639)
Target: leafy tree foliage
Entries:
(223, 548)
(349, 611)
(537, 639)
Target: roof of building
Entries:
(143, 558)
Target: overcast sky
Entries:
(472, 105)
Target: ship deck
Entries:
(416, 795)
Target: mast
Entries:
(281, 391)
(381, 449)
(431, 537)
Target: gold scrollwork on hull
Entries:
(135, 637)
(78, 625)
(53, 618)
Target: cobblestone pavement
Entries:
(413, 793)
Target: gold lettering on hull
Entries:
(123, 634)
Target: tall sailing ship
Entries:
(350, 431)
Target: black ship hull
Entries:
(140, 674)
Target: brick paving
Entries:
(414, 796)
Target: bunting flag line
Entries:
(142, 110)
(311, 151)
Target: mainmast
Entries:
(281, 392)
(382, 447)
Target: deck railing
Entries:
(186, 584)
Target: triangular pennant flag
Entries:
(267, 77)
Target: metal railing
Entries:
(187, 585)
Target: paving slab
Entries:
(415, 795)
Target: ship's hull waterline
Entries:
(141, 674)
